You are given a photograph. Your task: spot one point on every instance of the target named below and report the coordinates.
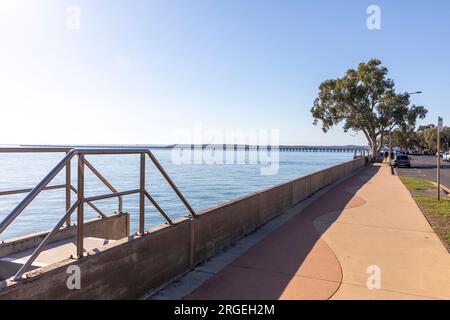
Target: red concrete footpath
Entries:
(326, 249)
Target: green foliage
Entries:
(406, 139)
(427, 137)
(364, 100)
(439, 208)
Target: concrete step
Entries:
(54, 252)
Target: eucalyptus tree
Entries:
(364, 100)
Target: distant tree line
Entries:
(424, 138)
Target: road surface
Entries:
(424, 167)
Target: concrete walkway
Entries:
(325, 249)
(388, 231)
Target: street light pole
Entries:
(440, 127)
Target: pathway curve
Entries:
(324, 251)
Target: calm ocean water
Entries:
(203, 185)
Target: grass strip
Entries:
(438, 214)
(417, 184)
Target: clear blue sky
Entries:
(138, 70)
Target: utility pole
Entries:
(440, 128)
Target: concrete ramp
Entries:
(55, 252)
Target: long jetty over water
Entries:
(349, 148)
(247, 147)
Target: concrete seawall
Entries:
(133, 266)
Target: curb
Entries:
(443, 187)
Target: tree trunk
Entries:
(374, 146)
(375, 152)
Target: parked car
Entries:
(446, 157)
(401, 161)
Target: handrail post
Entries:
(80, 216)
(120, 205)
(68, 192)
(142, 196)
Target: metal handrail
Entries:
(81, 199)
(105, 182)
(44, 242)
(75, 190)
(35, 191)
(35, 149)
(156, 205)
(19, 191)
